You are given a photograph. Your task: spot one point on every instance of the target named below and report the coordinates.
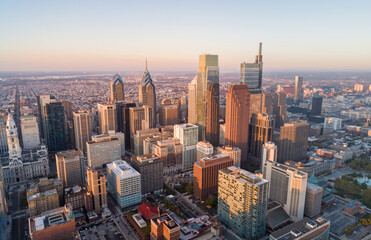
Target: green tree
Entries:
(363, 221)
(211, 201)
(189, 188)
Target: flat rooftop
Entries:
(122, 169)
(244, 176)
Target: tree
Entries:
(211, 201)
(363, 221)
(189, 188)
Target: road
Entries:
(19, 224)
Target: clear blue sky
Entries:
(119, 35)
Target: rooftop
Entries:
(122, 169)
(243, 175)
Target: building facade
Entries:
(70, 167)
(147, 95)
(82, 129)
(188, 137)
(56, 132)
(232, 152)
(30, 132)
(107, 118)
(313, 200)
(117, 89)
(140, 118)
(299, 94)
(97, 187)
(212, 114)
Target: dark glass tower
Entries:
(123, 120)
(212, 114)
(147, 94)
(56, 132)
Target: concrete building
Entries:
(299, 94)
(96, 182)
(293, 141)
(318, 229)
(316, 106)
(42, 100)
(204, 149)
(212, 114)
(169, 114)
(39, 202)
(288, 187)
(151, 170)
(124, 183)
(140, 118)
(164, 228)
(171, 152)
(242, 202)
(82, 129)
(206, 172)
(117, 89)
(70, 167)
(358, 87)
(237, 119)
(333, 123)
(3, 137)
(222, 134)
(232, 152)
(123, 120)
(30, 132)
(188, 137)
(267, 103)
(107, 118)
(79, 197)
(147, 96)
(139, 137)
(192, 101)
(46, 184)
(279, 109)
(313, 200)
(102, 150)
(150, 141)
(269, 153)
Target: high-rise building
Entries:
(206, 172)
(293, 141)
(67, 109)
(169, 114)
(117, 89)
(260, 131)
(222, 134)
(42, 100)
(171, 152)
(140, 118)
(316, 109)
(30, 132)
(123, 120)
(188, 137)
(3, 203)
(151, 170)
(103, 149)
(97, 187)
(269, 153)
(107, 118)
(82, 128)
(139, 137)
(150, 141)
(313, 200)
(212, 116)
(147, 95)
(333, 123)
(318, 229)
(70, 167)
(55, 122)
(164, 227)
(204, 149)
(192, 101)
(232, 152)
(242, 202)
(287, 186)
(3, 137)
(358, 87)
(279, 108)
(237, 119)
(299, 94)
(39, 202)
(267, 103)
(124, 183)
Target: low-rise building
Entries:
(164, 228)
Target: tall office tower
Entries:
(261, 130)
(42, 100)
(140, 118)
(287, 186)
(204, 149)
(293, 141)
(232, 152)
(55, 122)
(192, 101)
(316, 106)
(97, 186)
(70, 167)
(205, 174)
(221, 134)
(188, 136)
(147, 95)
(103, 149)
(139, 137)
(298, 97)
(313, 199)
(269, 153)
(39, 202)
(151, 170)
(3, 137)
(267, 103)
(124, 183)
(318, 229)
(117, 89)
(279, 108)
(68, 109)
(164, 227)
(82, 128)
(30, 132)
(169, 114)
(242, 202)
(171, 152)
(212, 116)
(252, 75)
(237, 119)
(123, 120)
(107, 118)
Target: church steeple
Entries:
(15, 150)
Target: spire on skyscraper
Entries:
(146, 79)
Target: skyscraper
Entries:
(287, 186)
(188, 136)
(316, 106)
(212, 116)
(42, 100)
(55, 123)
(269, 153)
(267, 103)
(237, 119)
(140, 118)
(169, 114)
(3, 137)
(97, 186)
(313, 200)
(117, 89)
(103, 149)
(260, 131)
(232, 152)
(123, 120)
(82, 128)
(242, 202)
(293, 141)
(147, 94)
(279, 108)
(192, 101)
(70, 167)
(30, 132)
(298, 97)
(107, 118)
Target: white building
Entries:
(188, 137)
(269, 153)
(333, 123)
(233, 152)
(30, 132)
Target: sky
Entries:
(89, 35)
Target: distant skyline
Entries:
(119, 35)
